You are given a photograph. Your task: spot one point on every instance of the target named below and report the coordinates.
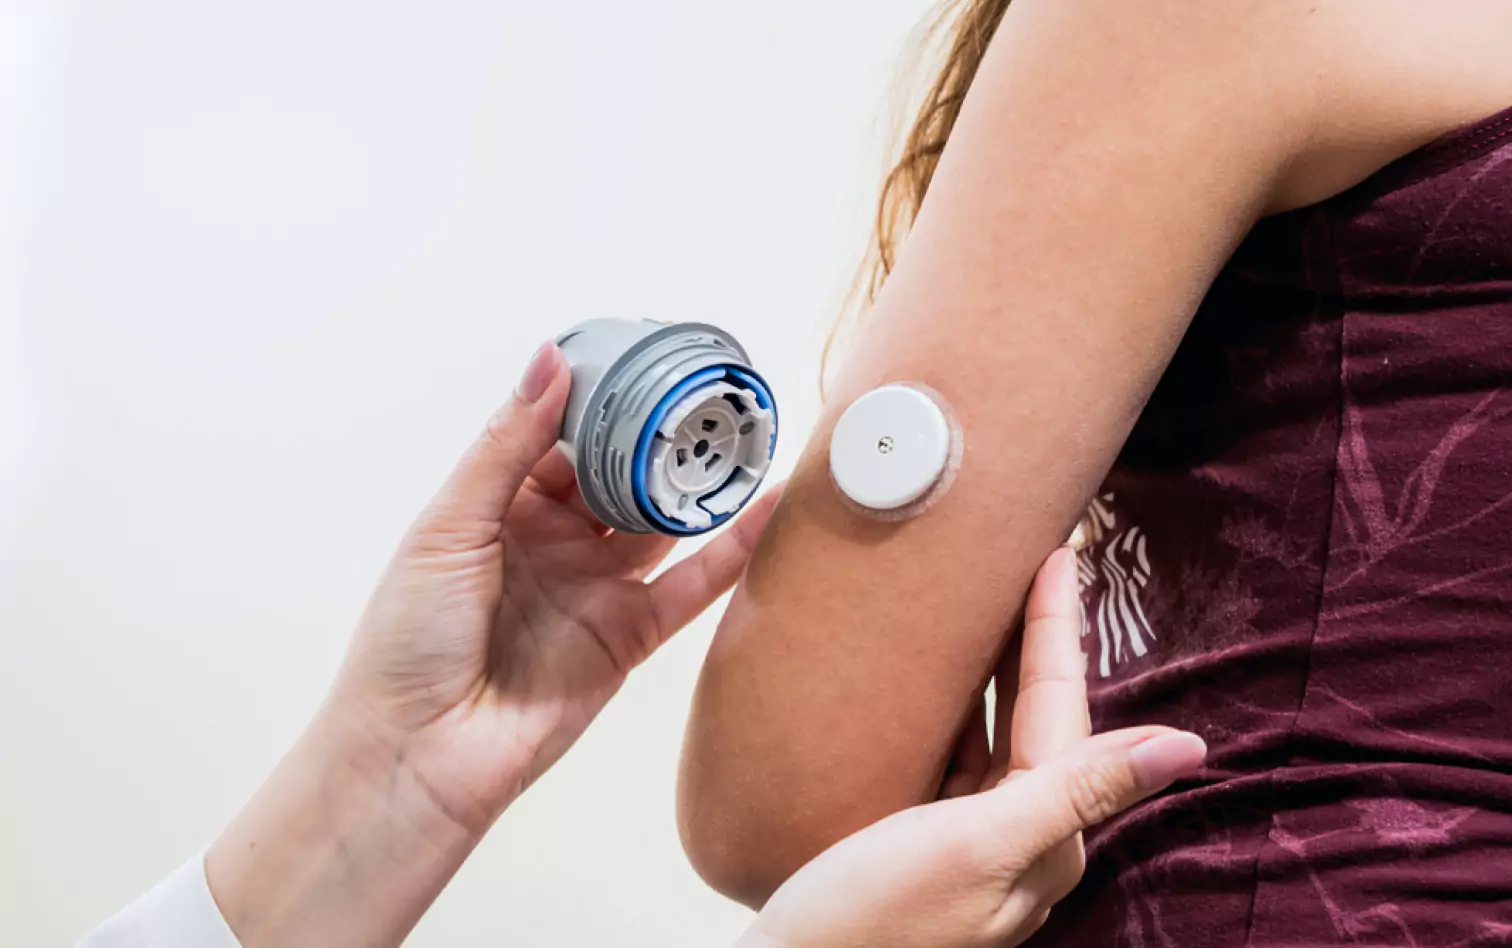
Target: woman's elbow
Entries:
(738, 840)
(794, 740)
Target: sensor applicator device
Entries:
(668, 426)
(895, 451)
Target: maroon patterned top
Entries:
(1304, 554)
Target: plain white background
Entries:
(264, 269)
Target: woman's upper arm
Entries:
(1106, 163)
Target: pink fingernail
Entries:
(538, 374)
(1160, 761)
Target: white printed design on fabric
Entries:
(1113, 571)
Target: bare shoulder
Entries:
(1300, 98)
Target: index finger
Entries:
(692, 585)
(1102, 777)
(1050, 709)
(471, 506)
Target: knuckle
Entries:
(967, 849)
(1094, 790)
(1031, 679)
(498, 429)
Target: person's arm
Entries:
(1109, 158)
(506, 621)
(985, 868)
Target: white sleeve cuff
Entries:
(179, 912)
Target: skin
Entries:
(984, 869)
(1106, 163)
(507, 620)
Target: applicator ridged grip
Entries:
(669, 427)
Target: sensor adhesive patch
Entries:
(895, 451)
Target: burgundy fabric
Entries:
(1304, 554)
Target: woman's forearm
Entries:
(341, 846)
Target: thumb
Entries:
(519, 435)
(1100, 778)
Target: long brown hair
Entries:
(956, 35)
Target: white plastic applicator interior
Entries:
(710, 454)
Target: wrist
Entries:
(341, 845)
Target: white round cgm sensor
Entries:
(891, 447)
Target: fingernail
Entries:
(538, 374)
(1160, 761)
